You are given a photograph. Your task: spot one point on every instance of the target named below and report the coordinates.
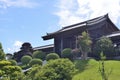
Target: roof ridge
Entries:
(80, 24)
(86, 21)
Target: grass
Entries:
(89, 70)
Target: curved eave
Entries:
(113, 35)
(79, 25)
(117, 29)
(62, 31)
(47, 37)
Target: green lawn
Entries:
(89, 70)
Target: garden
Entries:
(72, 64)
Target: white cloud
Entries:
(15, 47)
(18, 43)
(17, 3)
(74, 11)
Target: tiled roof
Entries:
(78, 25)
(43, 47)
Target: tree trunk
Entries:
(84, 56)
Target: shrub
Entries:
(26, 59)
(59, 69)
(35, 61)
(39, 55)
(67, 53)
(33, 71)
(12, 72)
(11, 69)
(4, 63)
(52, 56)
(13, 62)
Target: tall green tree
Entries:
(2, 54)
(84, 43)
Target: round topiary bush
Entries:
(13, 62)
(26, 59)
(67, 53)
(39, 55)
(52, 56)
(35, 61)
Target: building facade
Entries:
(97, 27)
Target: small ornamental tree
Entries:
(26, 59)
(35, 62)
(104, 45)
(39, 55)
(84, 43)
(52, 56)
(67, 53)
(76, 53)
(104, 73)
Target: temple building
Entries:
(97, 27)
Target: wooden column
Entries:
(76, 41)
(61, 44)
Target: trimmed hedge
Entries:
(35, 62)
(39, 55)
(26, 59)
(52, 56)
(67, 53)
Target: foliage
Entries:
(26, 59)
(67, 53)
(84, 43)
(2, 54)
(104, 45)
(4, 63)
(33, 71)
(39, 55)
(59, 69)
(52, 56)
(35, 61)
(13, 62)
(1, 73)
(10, 69)
(12, 72)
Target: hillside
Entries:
(89, 70)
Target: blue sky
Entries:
(27, 20)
